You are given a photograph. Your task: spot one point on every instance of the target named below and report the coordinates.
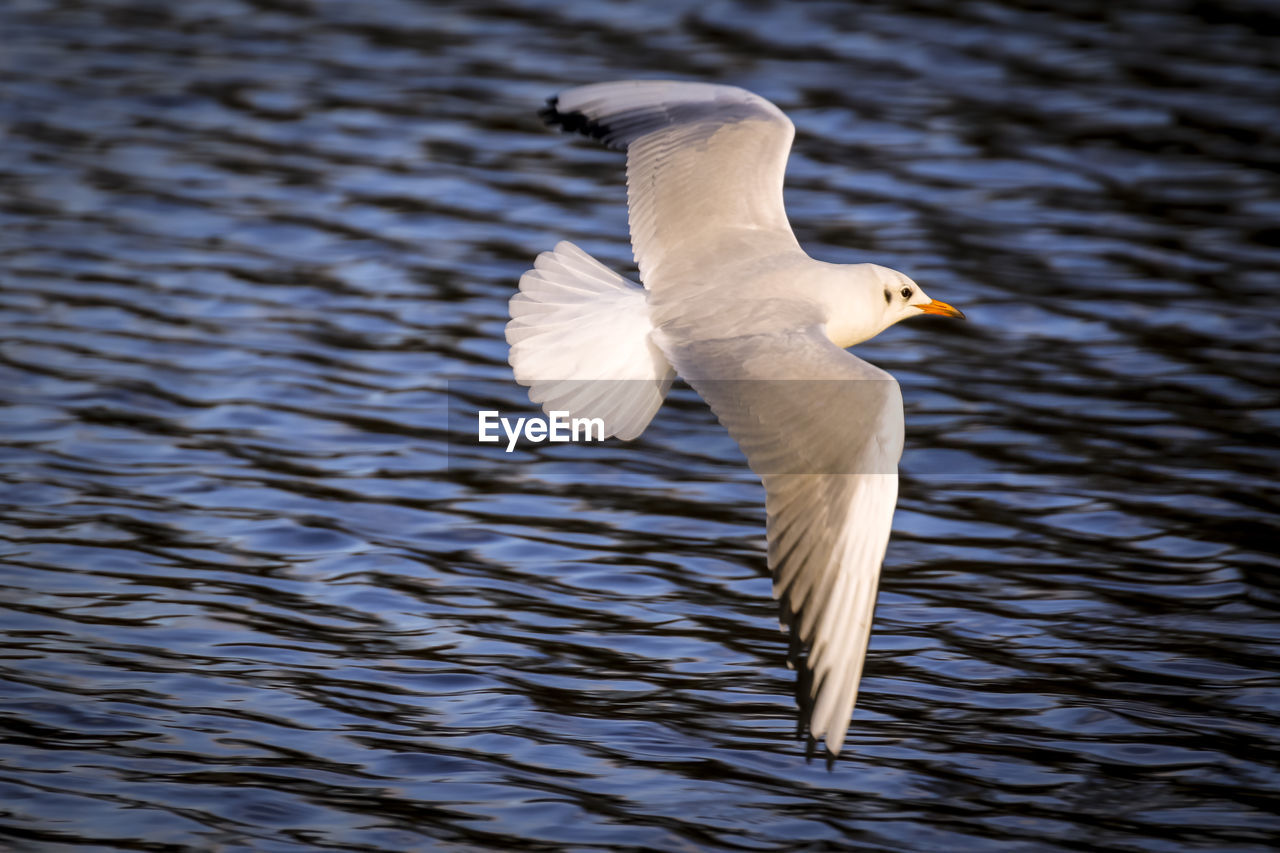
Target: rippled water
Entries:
(252, 600)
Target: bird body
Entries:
(732, 304)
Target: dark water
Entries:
(250, 601)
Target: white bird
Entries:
(733, 304)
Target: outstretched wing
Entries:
(826, 447)
(704, 167)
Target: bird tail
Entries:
(581, 340)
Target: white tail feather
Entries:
(580, 339)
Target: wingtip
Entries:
(550, 113)
(571, 121)
(574, 121)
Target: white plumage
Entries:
(734, 305)
(581, 339)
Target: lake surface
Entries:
(256, 596)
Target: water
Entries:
(252, 601)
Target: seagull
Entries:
(732, 304)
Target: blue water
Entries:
(257, 597)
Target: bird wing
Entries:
(826, 447)
(704, 167)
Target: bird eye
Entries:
(906, 293)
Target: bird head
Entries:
(902, 298)
(870, 298)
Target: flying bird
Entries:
(759, 329)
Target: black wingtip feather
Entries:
(550, 114)
(572, 121)
(806, 683)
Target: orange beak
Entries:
(942, 309)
